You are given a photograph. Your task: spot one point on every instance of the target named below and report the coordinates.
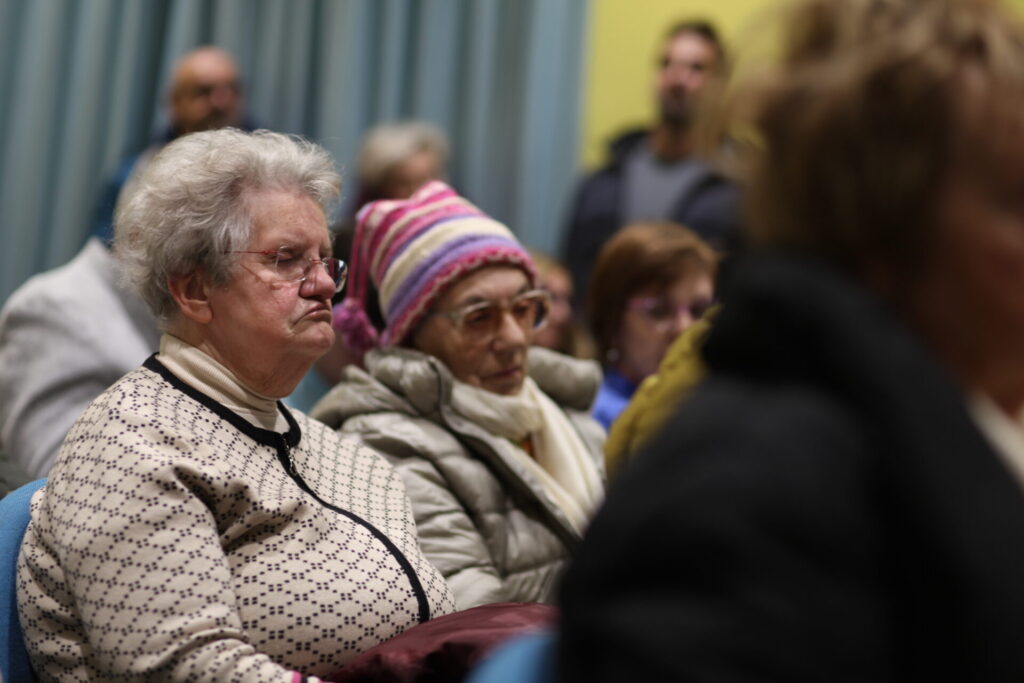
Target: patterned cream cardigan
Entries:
(177, 541)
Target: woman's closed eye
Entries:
(480, 316)
(524, 309)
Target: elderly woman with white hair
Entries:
(194, 528)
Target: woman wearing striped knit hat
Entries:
(492, 438)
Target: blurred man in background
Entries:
(67, 334)
(205, 93)
(655, 174)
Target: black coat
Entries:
(710, 207)
(822, 509)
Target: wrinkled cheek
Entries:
(319, 334)
(328, 335)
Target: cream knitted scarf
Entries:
(561, 463)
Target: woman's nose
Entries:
(511, 333)
(318, 282)
(223, 96)
(682, 319)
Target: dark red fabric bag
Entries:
(445, 650)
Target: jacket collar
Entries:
(413, 383)
(425, 382)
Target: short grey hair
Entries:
(389, 144)
(191, 205)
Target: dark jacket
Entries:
(822, 509)
(709, 207)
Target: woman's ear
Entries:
(190, 293)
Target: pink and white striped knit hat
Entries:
(412, 250)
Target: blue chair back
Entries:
(14, 516)
(525, 659)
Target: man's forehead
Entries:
(206, 65)
(689, 39)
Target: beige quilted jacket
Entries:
(482, 518)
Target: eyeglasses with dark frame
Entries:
(292, 267)
(482, 321)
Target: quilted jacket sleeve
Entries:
(447, 533)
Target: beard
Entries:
(677, 109)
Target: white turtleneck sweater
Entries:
(206, 375)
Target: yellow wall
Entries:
(623, 40)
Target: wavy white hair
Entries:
(190, 206)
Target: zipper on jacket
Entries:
(284, 455)
(279, 442)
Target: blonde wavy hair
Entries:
(871, 105)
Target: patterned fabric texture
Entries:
(175, 541)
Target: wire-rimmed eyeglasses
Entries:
(480, 321)
(293, 267)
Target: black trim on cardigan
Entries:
(267, 437)
(284, 455)
(282, 445)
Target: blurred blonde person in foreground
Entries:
(841, 498)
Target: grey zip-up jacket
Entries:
(482, 518)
